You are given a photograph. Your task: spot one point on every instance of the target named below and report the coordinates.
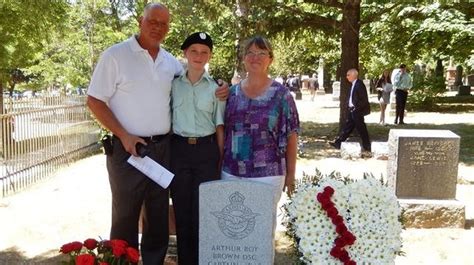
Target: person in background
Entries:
(313, 85)
(129, 94)
(358, 105)
(279, 79)
(402, 83)
(384, 88)
(198, 141)
(261, 126)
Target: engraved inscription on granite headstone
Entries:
(235, 223)
(423, 163)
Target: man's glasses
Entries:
(259, 54)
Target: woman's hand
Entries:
(289, 185)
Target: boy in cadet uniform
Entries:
(198, 141)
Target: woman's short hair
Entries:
(260, 42)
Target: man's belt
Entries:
(152, 139)
(195, 140)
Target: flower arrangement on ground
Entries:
(337, 220)
(105, 252)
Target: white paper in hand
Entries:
(152, 169)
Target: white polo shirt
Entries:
(136, 88)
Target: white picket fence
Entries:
(39, 135)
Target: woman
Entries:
(261, 125)
(384, 88)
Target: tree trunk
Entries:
(1, 97)
(439, 67)
(241, 11)
(350, 52)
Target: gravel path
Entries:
(75, 205)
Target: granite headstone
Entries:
(423, 163)
(235, 223)
(458, 78)
(336, 90)
(367, 85)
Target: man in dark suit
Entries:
(358, 104)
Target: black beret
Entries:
(197, 37)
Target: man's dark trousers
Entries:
(355, 120)
(401, 100)
(130, 191)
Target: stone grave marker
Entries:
(367, 85)
(470, 80)
(336, 90)
(458, 78)
(423, 163)
(422, 170)
(235, 223)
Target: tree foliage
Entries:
(47, 44)
(25, 27)
(418, 32)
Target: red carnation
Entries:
(85, 259)
(350, 262)
(132, 255)
(106, 244)
(319, 197)
(118, 247)
(327, 204)
(349, 237)
(337, 220)
(329, 190)
(118, 243)
(335, 252)
(69, 247)
(90, 243)
(344, 257)
(341, 228)
(332, 212)
(339, 242)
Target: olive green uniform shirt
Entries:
(196, 109)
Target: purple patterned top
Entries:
(257, 130)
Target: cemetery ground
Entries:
(74, 204)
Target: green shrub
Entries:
(426, 89)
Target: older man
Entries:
(130, 95)
(358, 104)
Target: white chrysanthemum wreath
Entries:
(335, 220)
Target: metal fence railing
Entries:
(40, 135)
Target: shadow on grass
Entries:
(283, 250)
(316, 137)
(14, 256)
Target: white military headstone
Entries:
(235, 223)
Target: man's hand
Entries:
(222, 92)
(129, 143)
